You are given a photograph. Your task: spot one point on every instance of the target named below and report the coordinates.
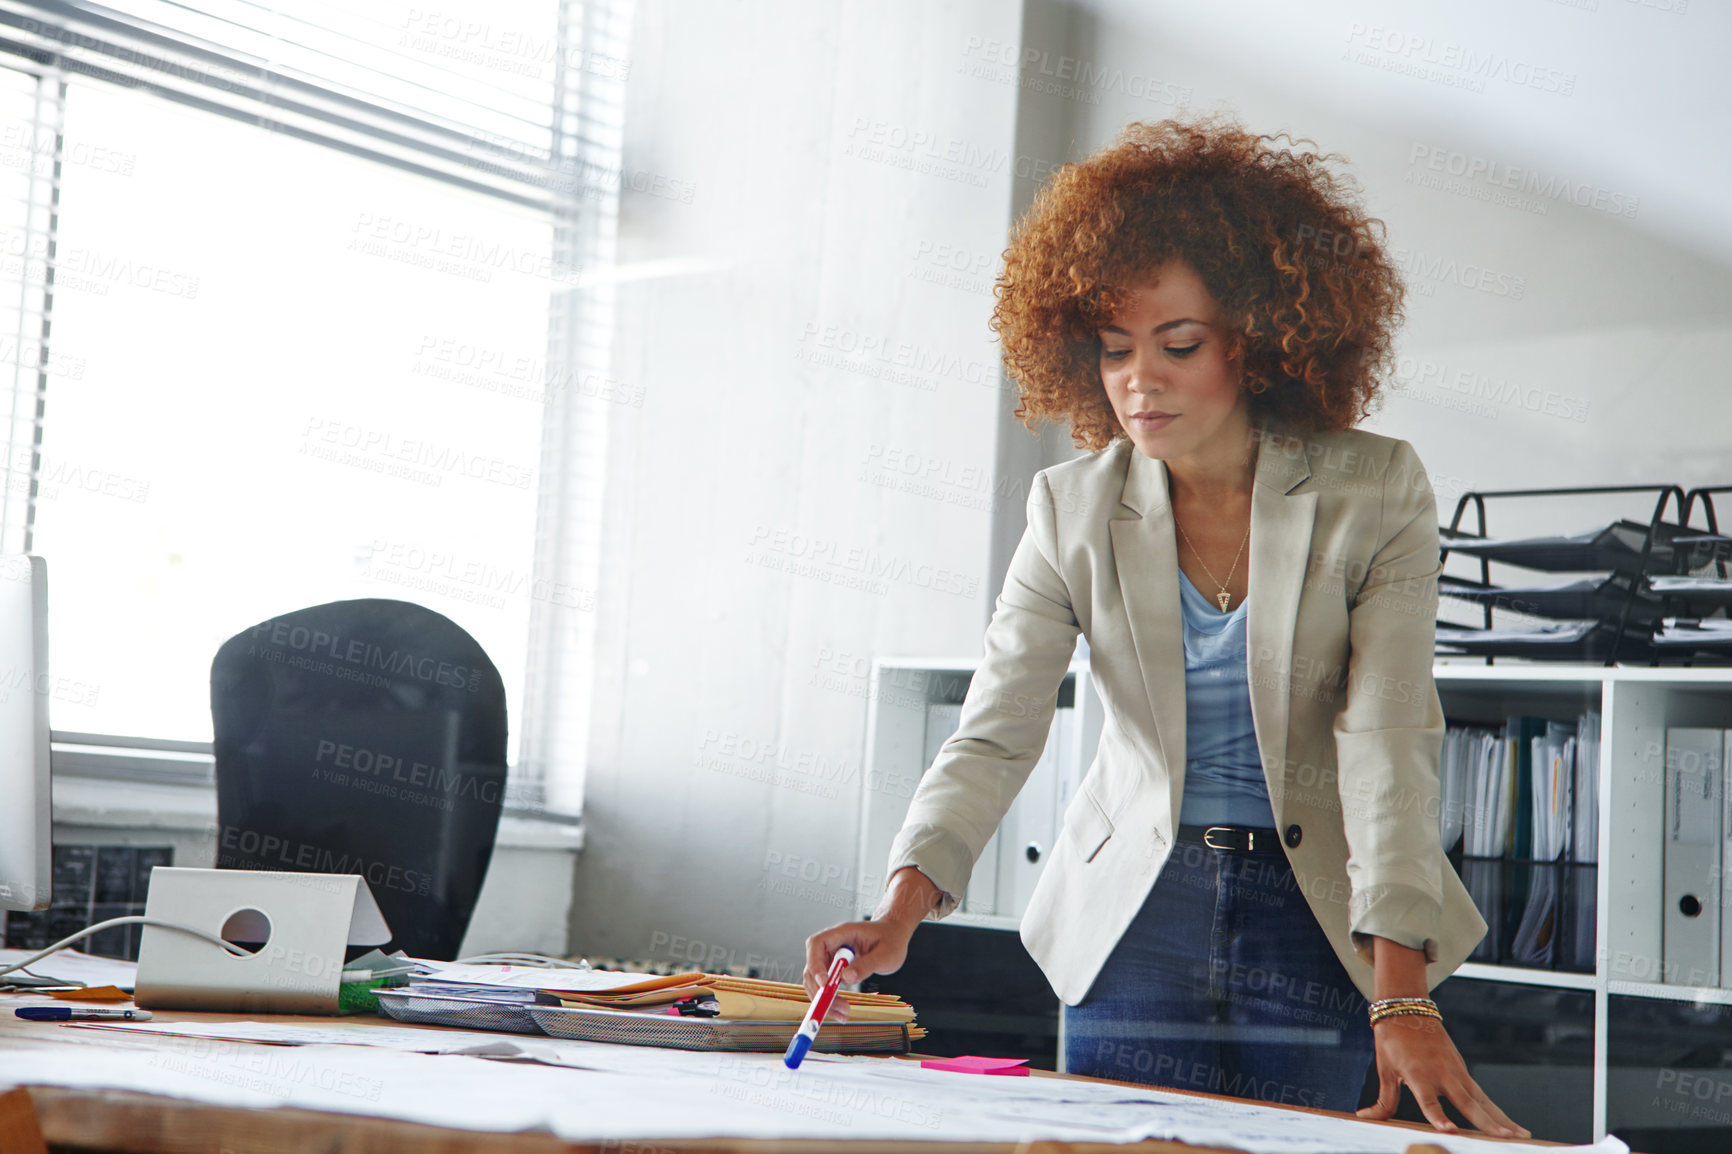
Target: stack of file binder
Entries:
(1519, 817)
(690, 1011)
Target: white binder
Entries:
(303, 920)
(981, 896)
(1028, 830)
(1725, 862)
(1690, 941)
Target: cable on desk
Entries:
(515, 959)
(133, 920)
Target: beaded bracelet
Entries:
(1398, 1007)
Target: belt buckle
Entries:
(1208, 836)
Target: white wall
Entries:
(1608, 368)
(717, 670)
(839, 155)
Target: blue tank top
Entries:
(1223, 770)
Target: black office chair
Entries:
(364, 737)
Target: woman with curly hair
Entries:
(1249, 894)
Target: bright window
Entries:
(285, 375)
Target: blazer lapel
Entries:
(1281, 522)
(1148, 570)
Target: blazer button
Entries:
(1293, 835)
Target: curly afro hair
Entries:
(1277, 237)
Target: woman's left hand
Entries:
(1415, 1049)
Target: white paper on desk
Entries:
(1133, 1114)
(437, 1090)
(715, 1095)
(598, 1056)
(643, 1061)
(73, 967)
(536, 978)
(437, 1041)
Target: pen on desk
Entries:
(808, 1031)
(80, 1014)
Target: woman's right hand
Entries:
(880, 945)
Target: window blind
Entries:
(30, 110)
(464, 93)
(521, 102)
(588, 138)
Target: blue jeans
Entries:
(1225, 982)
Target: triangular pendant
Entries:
(1223, 598)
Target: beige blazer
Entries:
(1341, 618)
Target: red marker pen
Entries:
(808, 1031)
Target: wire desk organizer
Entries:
(1616, 602)
(1697, 604)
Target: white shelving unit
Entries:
(1636, 706)
(896, 752)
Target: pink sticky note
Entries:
(970, 1064)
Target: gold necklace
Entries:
(1223, 596)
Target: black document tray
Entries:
(1616, 548)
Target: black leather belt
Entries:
(1243, 838)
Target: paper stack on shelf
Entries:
(1690, 634)
(1688, 583)
(1476, 768)
(1582, 906)
(1474, 775)
(1520, 803)
(1585, 793)
(1453, 769)
(1551, 778)
(1697, 600)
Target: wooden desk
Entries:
(110, 1120)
